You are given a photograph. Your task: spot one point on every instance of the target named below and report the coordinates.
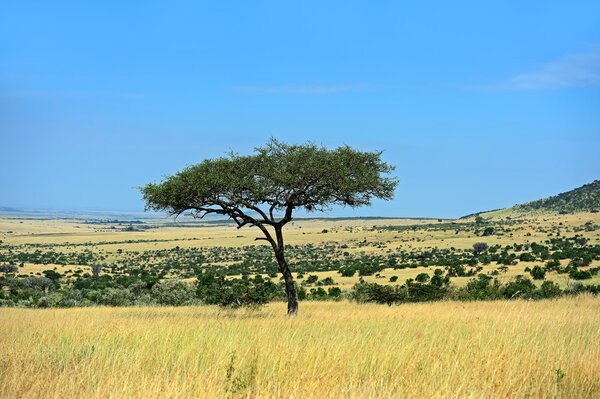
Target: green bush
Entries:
(549, 289)
(116, 297)
(520, 287)
(538, 273)
(580, 274)
(482, 288)
(372, 292)
(173, 293)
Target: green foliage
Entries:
(347, 271)
(327, 281)
(580, 274)
(173, 293)
(482, 288)
(277, 178)
(8, 268)
(526, 257)
(372, 292)
(213, 289)
(278, 175)
(553, 264)
(116, 297)
(583, 199)
(488, 231)
(520, 287)
(41, 284)
(538, 273)
(549, 289)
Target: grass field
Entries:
(502, 349)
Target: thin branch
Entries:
(261, 213)
(268, 236)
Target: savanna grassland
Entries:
(511, 349)
(380, 248)
(114, 334)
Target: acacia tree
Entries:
(263, 189)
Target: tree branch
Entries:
(268, 236)
(261, 213)
(288, 215)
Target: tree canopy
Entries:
(264, 188)
(278, 176)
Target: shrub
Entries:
(173, 293)
(480, 247)
(116, 297)
(373, 292)
(538, 273)
(520, 287)
(50, 300)
(347, 271)
(327, 281)
(574, 288)
(549, 289)
(237, 292)
(8, 269)
(580, 274)
(318, 293)
(553, 264)
(39, 283)
(437, 280)
(488, 231)
(425, 292)
(482, 288)
(96, 269)
(6, 303)
(526, 257)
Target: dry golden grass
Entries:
(498, 349)
(486, 349)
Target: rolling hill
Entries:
(582, 199)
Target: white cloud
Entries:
(575, 70)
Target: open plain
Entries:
(334, 348)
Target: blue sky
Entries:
(479, 106)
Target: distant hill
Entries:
(582, 199)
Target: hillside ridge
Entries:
(581, 199)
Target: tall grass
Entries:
(449, 349)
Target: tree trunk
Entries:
(290, 287)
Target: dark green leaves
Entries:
(278, 176)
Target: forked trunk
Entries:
(290, 287)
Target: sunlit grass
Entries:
(486, 349)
